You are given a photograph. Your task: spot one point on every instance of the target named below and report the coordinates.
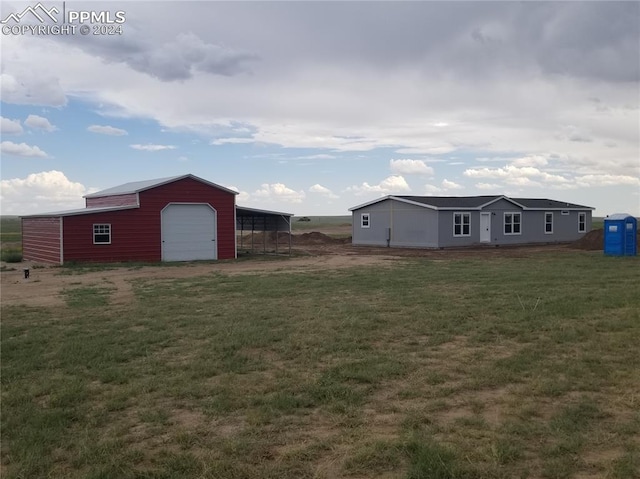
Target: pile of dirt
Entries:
(312, 238)
(592, 241)
(318, 238)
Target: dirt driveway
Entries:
(45, 284)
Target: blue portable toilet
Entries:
(620, 235)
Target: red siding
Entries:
(41, 240)
(135, 233)
(115, 200)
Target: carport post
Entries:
(264, 234)
(253, 226)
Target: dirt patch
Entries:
(592, 241)
(44, 285)
(314, 251)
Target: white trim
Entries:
(103, 233)
(584, 215)
(362, 220)
(565, 212)
(60, 219)
(82, 211)
(501, 198)
(485, 214)
(462, 215)
(545, 222)
(504, 223)
(215, 213)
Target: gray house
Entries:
(449, 221)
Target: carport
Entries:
(263, 221)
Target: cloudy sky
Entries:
(314, 107)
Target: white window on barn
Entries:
(548, 223)
(101, 234)
(582, 222)
(461, 224)
(365, 220)
(512, 223)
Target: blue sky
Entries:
(312, 107)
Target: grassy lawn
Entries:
(509, 368)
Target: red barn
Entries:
(181, 218)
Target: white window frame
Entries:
(547, 222)
(462, 223)
(512, 224)
(365, 218)
(564, 213)
(100, 229)
(582, 218)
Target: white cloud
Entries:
(410, 167)
(41, 192)
(607, 180)
(519, 176)
(450, 185)
(150, 147)
(107, 130)
(531, 160)
(32, 88)
(390, 185)
(317, 188)
(21, 149)
(39, 123)
(487, 186)
(444, 187)
(231, 141)
(279, 192)
(242, 196)
(10, 127)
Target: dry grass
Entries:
(517, 367)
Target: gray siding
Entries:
(379, 221)
(411, 225)
(419, 227)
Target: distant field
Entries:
(318, 223)
(523, 367)
(10, 229)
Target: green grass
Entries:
(422, 369)
(11, 255)
(10, 229)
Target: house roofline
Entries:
(473, 208)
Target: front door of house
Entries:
(485, 227)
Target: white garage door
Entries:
(189, 232)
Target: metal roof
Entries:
(82, 211)
(137, 186)
(244, 211)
